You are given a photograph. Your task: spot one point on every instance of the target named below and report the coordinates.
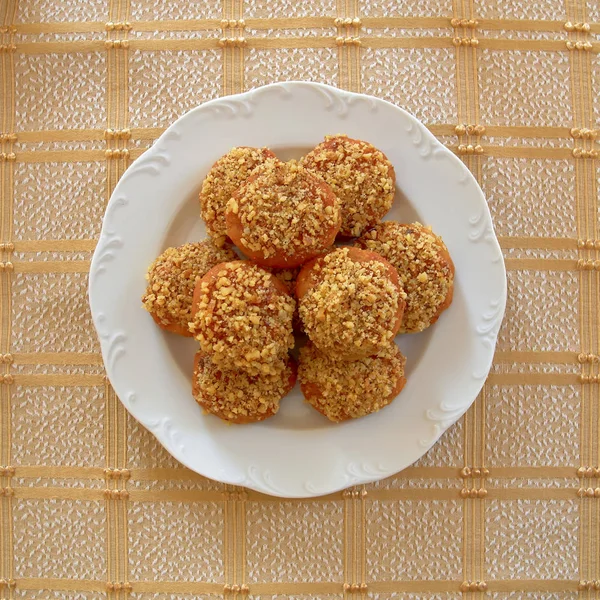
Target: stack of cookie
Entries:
(350, 301)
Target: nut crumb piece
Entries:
(283, 215)
(238, 397)
(172, 279)
(343, 390)
(226, 176)
(242, 318)
(424, 265)
(361, 177)
(350, 302)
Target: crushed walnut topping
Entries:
(424, 267)
(283, 211)
(226, 176)
(172, 278)
(343, 390)
(361, 177)
(235, 395)
(288, 278)
(243, 320)
(350, 308)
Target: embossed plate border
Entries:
(277, 457)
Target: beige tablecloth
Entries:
(508, 501)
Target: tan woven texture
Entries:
(505, 506)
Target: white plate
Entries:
(297, 453)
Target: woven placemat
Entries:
(506, 505)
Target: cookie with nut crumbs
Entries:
(350, 302)
(242, 317)
(283, 215)
(361, 177)
(237, 397)
(226, 176)
(343, 390)
(172, 279)
(424, 265)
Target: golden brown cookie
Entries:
(238, 397)
(172, 279)
(424, 266)
(361, 177)
(350, 302)
(226, 176)
(242, 317)
(343, 390)
(283, 215)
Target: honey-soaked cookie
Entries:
(283, 215)
(343, 390)
(350, 302)
(424, 266)
(242, 317)
(237, 397)
(171, 281)
(361, 177)
(226, 176)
